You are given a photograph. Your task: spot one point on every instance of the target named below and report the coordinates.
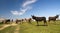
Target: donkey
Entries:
(18, 21)
(53, 18)
(39, 19)
(7, 20)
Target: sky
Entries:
(14, 9)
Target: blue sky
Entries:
(38, 8)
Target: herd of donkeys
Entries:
(37, 19)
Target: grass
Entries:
(1, 25)
(33, 28)
(9, 29)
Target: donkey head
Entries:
(57, 16)
(33, 16)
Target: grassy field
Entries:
(33, 28)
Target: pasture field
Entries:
(32, 28)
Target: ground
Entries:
(30, 28)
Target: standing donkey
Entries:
(53, 18)
(39, 19)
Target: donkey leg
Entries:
(45, 22)
(48, 20)
(30, 22)
(37, 23)
(16, 22)
(5, 22)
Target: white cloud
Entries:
(25, 7)
(28, 2)
(15, 12)
(22, 11)
(18, 12)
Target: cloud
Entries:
(20, 12)
(28, 2)
(15, 12)
(25, 7)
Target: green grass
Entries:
(9, 29)
(32, 28)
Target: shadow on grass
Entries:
(38, 25)
(41, 25)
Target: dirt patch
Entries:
(7, 25)
(4, 27)
(13, 24)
